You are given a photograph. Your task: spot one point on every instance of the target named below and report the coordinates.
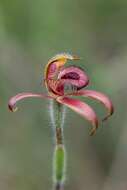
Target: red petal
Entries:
(15, 99)
(75, 76)
(81, 108)
(100, 97)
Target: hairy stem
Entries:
(59, 150)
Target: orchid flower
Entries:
(57, 79)
(64, 83)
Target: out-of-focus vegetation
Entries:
(30, 33)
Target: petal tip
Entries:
(106, 118)
(94, 129)
(12, 108)
(75, 57)
(93, 132)
(110, 114)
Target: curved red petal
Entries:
(74, 76)
(15, 99)
(100, 97)
(82, 109)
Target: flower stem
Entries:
(59, 150)
(59, 167)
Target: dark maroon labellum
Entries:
(71, 75)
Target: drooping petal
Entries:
(102, 98)
(15, 99)
(82, 109)
(74, 76)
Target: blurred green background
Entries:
(30, 33)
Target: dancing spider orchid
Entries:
(58, 79)
(63, 83)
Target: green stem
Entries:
(59, 166)
(59, 150)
